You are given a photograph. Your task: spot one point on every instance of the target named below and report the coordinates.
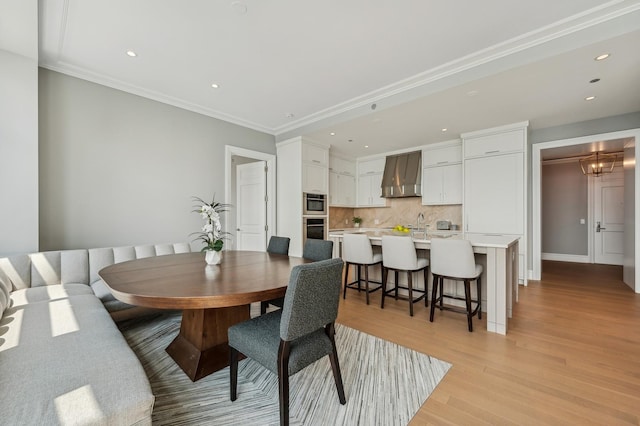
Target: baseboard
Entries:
(565, 257)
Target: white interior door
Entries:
(251, 221)
(609, 219)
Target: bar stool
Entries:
(454, 260)
(400, 255)
(357, 250)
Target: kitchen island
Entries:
(497, 253)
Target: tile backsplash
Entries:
(399, 211)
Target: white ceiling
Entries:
(295, 67)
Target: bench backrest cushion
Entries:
(74, 266)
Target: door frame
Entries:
(536, 172)
(270, 159)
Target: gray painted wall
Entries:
(564, 202)
(586, 128)
(118, 169)
(19, 128)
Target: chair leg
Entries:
(335, 365)
(434, 296)
(283, 382)
(346, 279)
(410, 288)
(396, 284)
(467, 297)
(358, 276)
(479, 298)
(366, 281)
(385, 273)
(426, 287)
(233, 373)
(263, 307)
(441, 280)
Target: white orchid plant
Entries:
(211, 234)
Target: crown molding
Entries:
(571, 25)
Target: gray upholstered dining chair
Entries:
(317, 250)
(454, 260)
(278, 245)
(314, 250)
(289, 339)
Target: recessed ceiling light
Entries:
(444, 129)
(131, 53)
(589, 98)
(595, 80)
(472, 93)
(289, 114)
(332, 133)
(602, 57)
(366, 146)
(350, 140)
(215, 85)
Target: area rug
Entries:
(385, 384)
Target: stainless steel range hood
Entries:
(403, 175)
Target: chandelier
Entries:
(598, 164)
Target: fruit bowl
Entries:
(401, 230)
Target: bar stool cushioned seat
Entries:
(357, 250)
(454, 260)
(399, 254)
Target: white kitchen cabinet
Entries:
(342, 190)
(494, 195)
(495, 192)
(370, 191)
(315, 154)
(442, 185)
(370, 183)
(314, 178)
(498, 142)
(342, 166)
(303, 166)
(342, 182)
(442, 155)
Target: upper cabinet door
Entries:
(314, 178)
(442, 156)
(314, 154)
(494, 144)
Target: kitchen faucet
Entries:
(419, 220)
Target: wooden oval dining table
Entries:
(211, 297)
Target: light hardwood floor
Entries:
(571, 355)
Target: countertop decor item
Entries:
(211, 234)
(356, 221)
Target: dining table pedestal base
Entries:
(201, 347)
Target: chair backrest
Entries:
(399, 252)
(312, 297)
(356, 248)
(278, 245)
(452, 258)
(317, 249)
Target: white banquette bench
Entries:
(62, 358)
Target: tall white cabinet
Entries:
(303, 166)
(495, 191)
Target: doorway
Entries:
(251, 211)
(631, 197)
(236, 157)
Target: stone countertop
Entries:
(477, 240)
